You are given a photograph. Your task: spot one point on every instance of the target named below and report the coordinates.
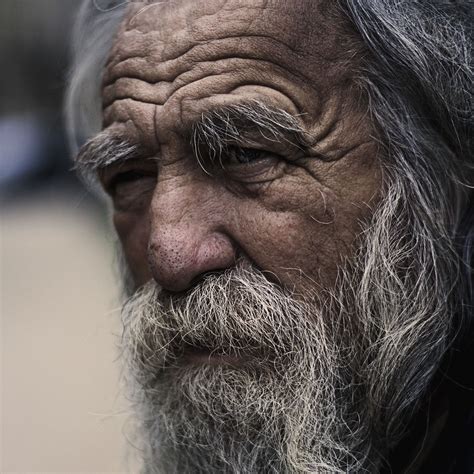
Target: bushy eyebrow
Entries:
(216, 130)
(101, 151)
(234, 124)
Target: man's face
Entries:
(289, 199)
(242, 165)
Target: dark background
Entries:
(34, 59)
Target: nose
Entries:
(185, 242)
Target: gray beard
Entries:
(317, 388)
(273, 411)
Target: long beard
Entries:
(269, 405)
(301, 385)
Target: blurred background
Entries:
(61, 409)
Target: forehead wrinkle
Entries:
(154, 37)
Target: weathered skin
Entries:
(295, 216)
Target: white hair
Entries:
(96, 26)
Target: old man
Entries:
(291, 185)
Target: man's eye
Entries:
(243, 156)
(124, 178)
(131, 189)
(251, 166)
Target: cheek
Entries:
(134, 231)
(302, 246)
(295, 246)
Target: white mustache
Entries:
(238, 312)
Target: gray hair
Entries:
(418, 77)
(96, 25)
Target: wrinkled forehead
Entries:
(176, 60)
(308, 32)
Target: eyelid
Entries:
(125, 177)
(232, 155)
(108, 174)
(282, 150)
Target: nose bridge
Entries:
(174, 204)
(185, 238)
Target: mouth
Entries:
(202, 356)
